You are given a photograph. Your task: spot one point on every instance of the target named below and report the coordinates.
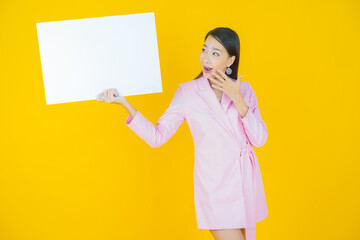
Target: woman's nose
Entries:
(207, 59)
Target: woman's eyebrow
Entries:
(213, 48)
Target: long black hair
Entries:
(231, 42)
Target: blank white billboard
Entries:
(81, 58)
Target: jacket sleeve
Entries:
(254, 126)
(166, 126)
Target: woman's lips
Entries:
(207, 70)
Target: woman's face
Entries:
(214, 56)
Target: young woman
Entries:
(225, 123)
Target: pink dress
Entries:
(228, 187)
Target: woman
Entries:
(225, 122)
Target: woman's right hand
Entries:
(111, 96)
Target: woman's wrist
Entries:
(129, 108)
(241, 106)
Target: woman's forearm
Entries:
(241, 106)
(129, 108)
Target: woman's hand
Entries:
(225, 84)
(111, 96)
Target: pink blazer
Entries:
(228, 187)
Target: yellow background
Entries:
(76, 171)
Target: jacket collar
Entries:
(219, 109)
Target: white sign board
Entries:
(81, 58)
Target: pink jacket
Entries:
(228, 186)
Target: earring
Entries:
(228, 71)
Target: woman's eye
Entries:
(204, 49)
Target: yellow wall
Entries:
(76, 171)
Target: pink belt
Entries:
(248, 185)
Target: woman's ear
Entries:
(231, 60)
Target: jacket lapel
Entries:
(207, 94)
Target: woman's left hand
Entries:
(225, 84)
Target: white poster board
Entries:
(81, 58)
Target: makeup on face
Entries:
(212, 56)
(206, 69)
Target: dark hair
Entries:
(231, 42)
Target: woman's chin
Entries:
(207, 75)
